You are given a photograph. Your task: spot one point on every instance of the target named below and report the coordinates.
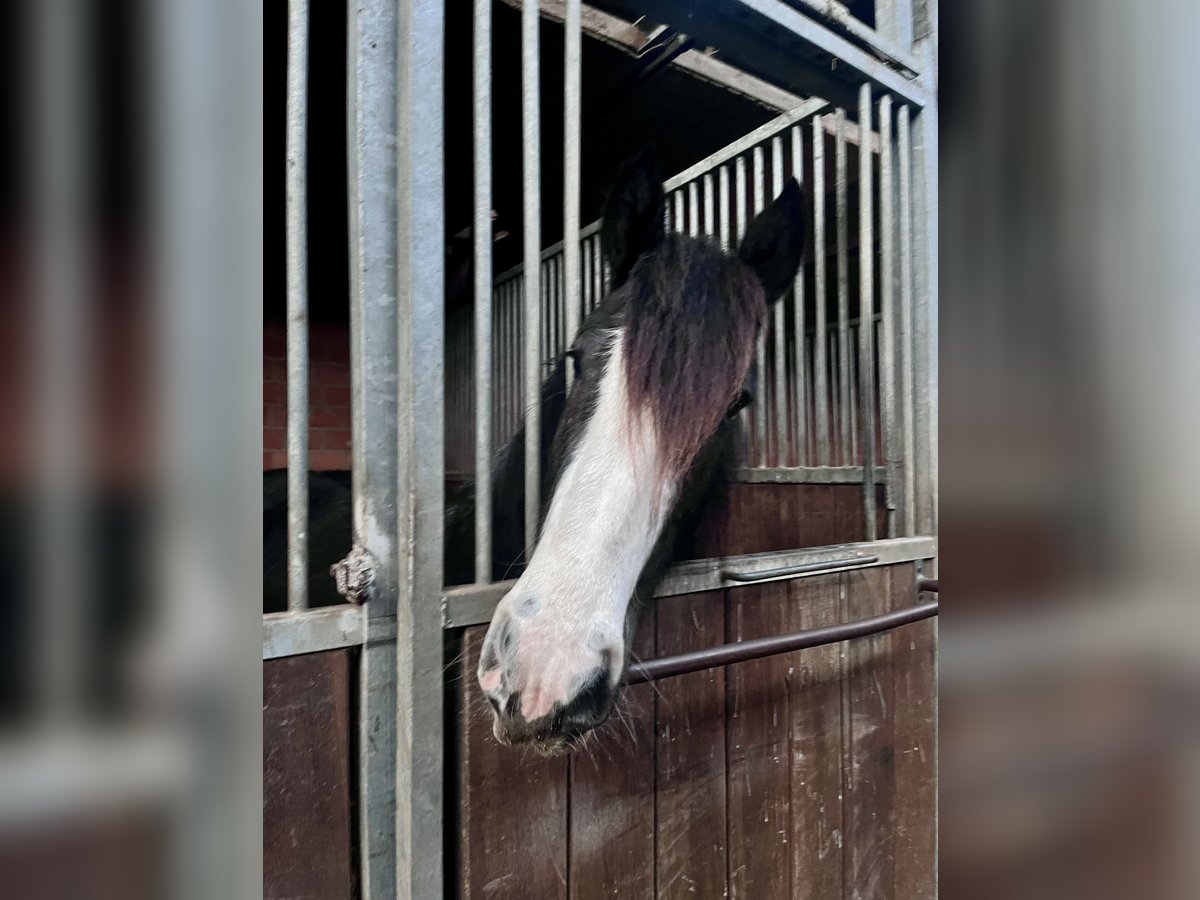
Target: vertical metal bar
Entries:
(597, 271)
(572, 136)
(482, 102)
(781, 416)
(420, 311)
(709, 226)
(820, 328)
(372, 125)
(866, 305)
(760, 352)
(585, 284)
(678, 223)
(887, 310)
(907, 381)
(693, 197)
(531, 169)
(297, 305)
(845, 411)
(800, 368)
(925, 306)
(735, 228)
(723, 229)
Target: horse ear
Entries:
(774, 242)
(633, 214)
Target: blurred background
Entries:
(131, 300)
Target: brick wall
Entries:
(328, 396)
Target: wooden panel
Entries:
(307, 822)
(758, 749)
(817, 844)
(513, 805)
(868, 772)
(690, 755)
(915, 696)
(756, 518)
(612, 796)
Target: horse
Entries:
(631, 457)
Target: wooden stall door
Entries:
(806, 775)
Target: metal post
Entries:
(800, 369)
(820, 328)
(531, 177)
(420, 309)
(925, 333)
(297, 305)
(740, 205)
(866, 306)
(760, 351)
(780, 425)
(846, 411)
(482, 101)
(907, 380)
(372, 126)
(572, 130)
(709, 222)
(887, 310)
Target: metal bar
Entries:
(760, 350)
(709, 229)
(806, 475)
(297, 304)
(925, 311)
(849, 56)
(866, 311)
(531, 169)
(780, 405)
(907, 382)
(800, 364)
(887, 310)
(846, 412)
(820, 329)
(474, 605)
(927, 584)
(746, 142)
(801, 569)
(693, 196)
(677, 222)
(420, 313)
(723, 229)
(312, 630)
(553, 250)
(572, 130)
(372, 125)
(728, 654)
(737, 225)
(482, 100)
(597, 270)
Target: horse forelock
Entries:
(692, 314)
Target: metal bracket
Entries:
(355, 575)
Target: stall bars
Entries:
(395, 124)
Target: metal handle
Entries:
(831, 565)
(669, 666)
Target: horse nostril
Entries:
(512, 704)
(591, 704)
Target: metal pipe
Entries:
(737, 225)
(728, 654)
(531, 171)
(780, 405)
(820, 328)
(845, 412)
(760, 352)
(866, 307)
(297, 305)
(709, 221)
(927, 584)
(887, 310)
(723, 207)
(482, 99)
(693, 190)
(572, 130)
(677, 223)
(907, 389)
(800, 363)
